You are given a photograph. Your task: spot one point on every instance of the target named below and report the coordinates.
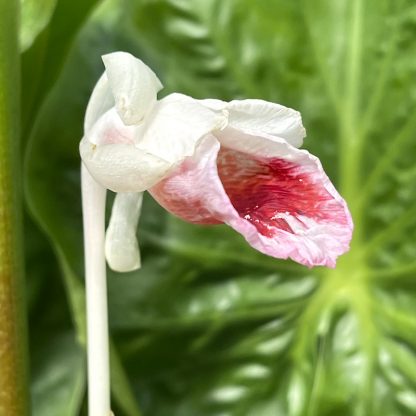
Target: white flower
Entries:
(208, 161)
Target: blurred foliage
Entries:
(34, 17)
(208, 326)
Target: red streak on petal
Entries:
(260, 190)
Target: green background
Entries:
(208, 326)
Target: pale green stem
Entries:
(13, 338)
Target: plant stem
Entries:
(93, 207)
(13, 336)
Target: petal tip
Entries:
(124, 259)
(133, 84)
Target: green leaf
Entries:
(208, 326)
(58, 385)
(44, 59)
(35, 15)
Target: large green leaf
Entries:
(48, 28)
(34, 17)
(208, 326)
(58, 378)
(57, 360)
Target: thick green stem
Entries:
(13, 369)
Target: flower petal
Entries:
(183, 192)
(133, 84)
(133, 158)
(111, 157)
(100, 102)
(121, 247)
(289, 199)
(110, 129)
(276, 196)
(175, 126)
(262, 117)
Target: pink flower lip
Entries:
(276, 189)
(285, 207)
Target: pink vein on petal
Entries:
(268, 192)
(284, 208)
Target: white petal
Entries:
(258, 117)
(133, 84)
(110, 129)
(260, 146)
(111, 157)
(262, 117)
(176, 125)
(101, 100)
(121, 247)
(123, 167)
(214, 104)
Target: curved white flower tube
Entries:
(206, 161)
(93, 207)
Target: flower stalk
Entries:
(13, 338)
(93, 206)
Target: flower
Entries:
(209, 162)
